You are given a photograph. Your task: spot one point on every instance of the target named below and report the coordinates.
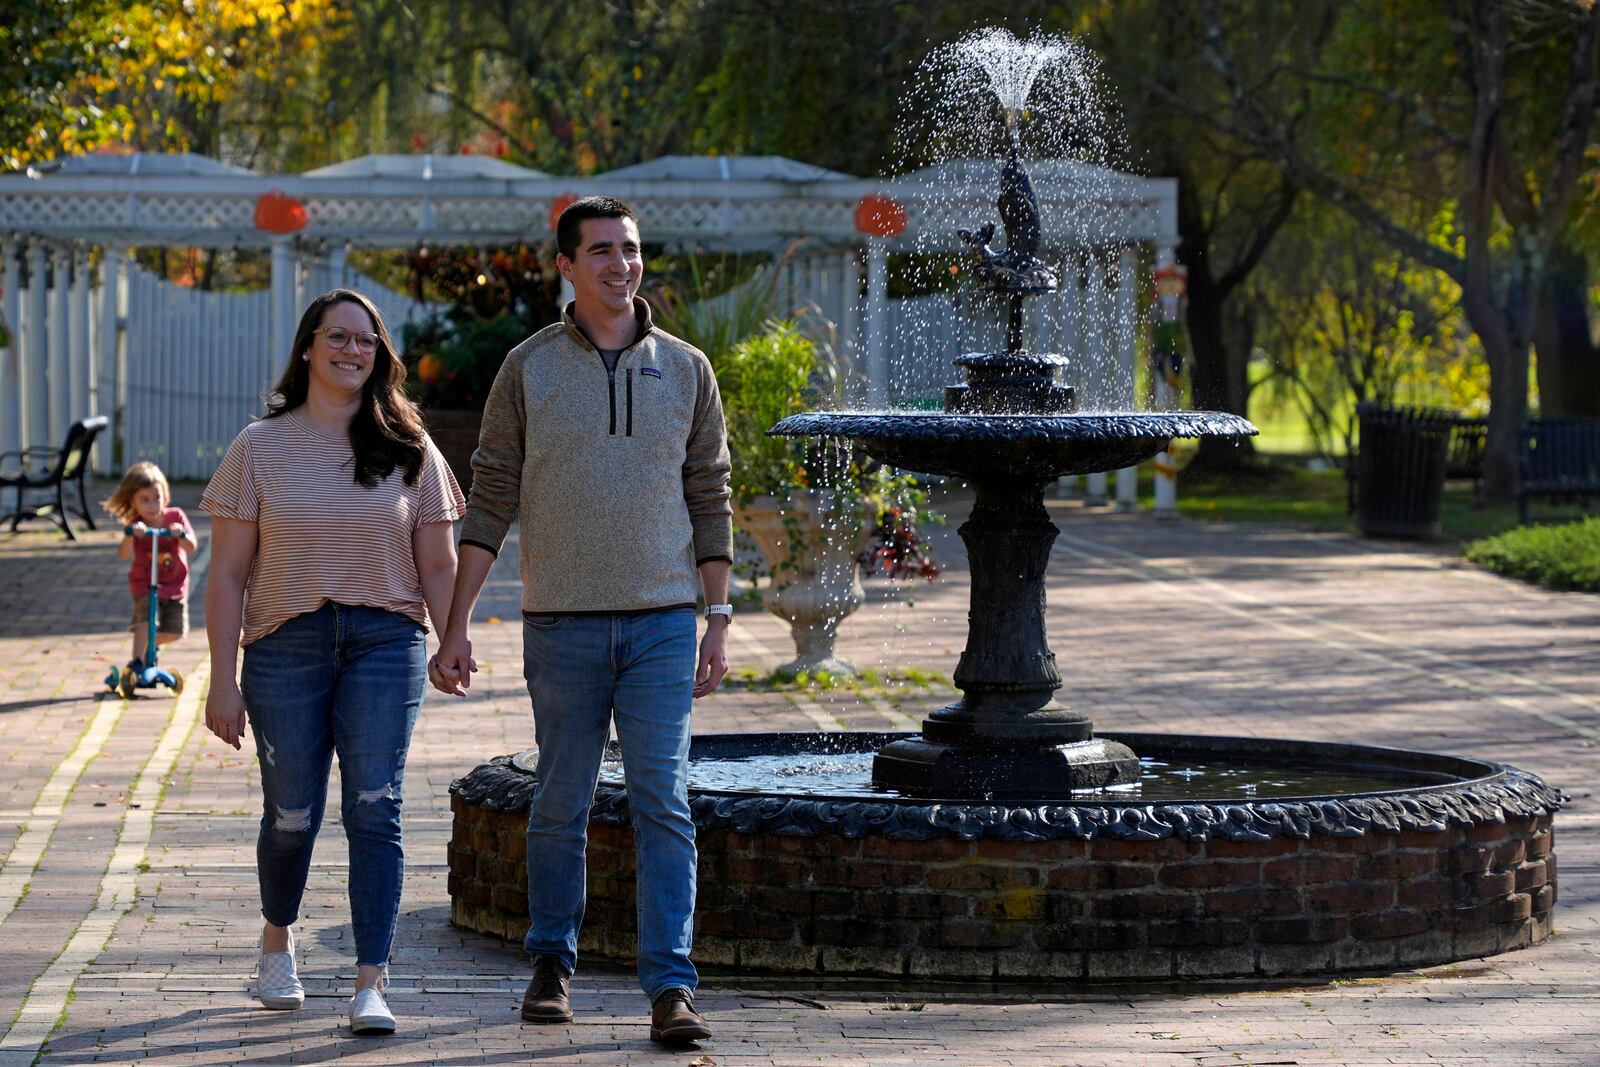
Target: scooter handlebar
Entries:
(153, 531)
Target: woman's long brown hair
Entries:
(387, 430)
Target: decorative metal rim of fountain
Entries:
(1495, 792)
(930, 426)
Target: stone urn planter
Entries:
(810, 545)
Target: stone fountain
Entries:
(1008, 432)
(1006, 839)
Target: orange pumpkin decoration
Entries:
(558, 205)
(880, 216)
(430, 368)
(280, 213)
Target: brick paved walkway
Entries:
(128, 903)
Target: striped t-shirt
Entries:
(321, 536)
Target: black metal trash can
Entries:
(1400, 470)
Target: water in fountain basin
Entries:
(847, 772)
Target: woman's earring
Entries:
(306, 356)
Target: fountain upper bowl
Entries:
(1013, 447)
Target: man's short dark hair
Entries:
(569, 226)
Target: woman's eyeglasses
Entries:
(338, 337)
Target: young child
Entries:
(142, 501)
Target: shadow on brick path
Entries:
(1207, 628)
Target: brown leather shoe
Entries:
(546, 999)
(673, 1020)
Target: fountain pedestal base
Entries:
(919, 766)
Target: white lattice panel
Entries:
(497, 217)
(186, 213)
(156, 210)
(350, 216)
(62, 213)
(795, 217)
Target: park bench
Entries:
(1559, 460)
(51, 471)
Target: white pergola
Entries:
(51, 216)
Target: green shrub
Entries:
(1557, 557)
(780, 372)
(763, 379)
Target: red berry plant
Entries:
(897, 548)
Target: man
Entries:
(603, 439)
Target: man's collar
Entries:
(641, 318)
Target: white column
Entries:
(35, 354)
(282, 321)
(1094, 489)
(107, 349)
(80, 392)
(313, 272)
(337, 256)
(850, 306)
(11, 437)
(876, 355)
(1127, 345)
(1069, 312)
(1068, 305)
(1166, 485)
(1095, 353)
(1094, 343)
(57, 370)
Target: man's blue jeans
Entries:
(580, 669)
(339, 679)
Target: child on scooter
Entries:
(143, 502)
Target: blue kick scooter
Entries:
(125, 680)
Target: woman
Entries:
(331, 546)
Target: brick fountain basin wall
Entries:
(1110, 893)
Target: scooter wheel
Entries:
(177, 683)
(114, 679)
(126, 683)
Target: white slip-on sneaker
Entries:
(369, 1014)
(277, 985)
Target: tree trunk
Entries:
(1569, 361)
(1217, 378)
(1240, 325)
(1505, 349)
(1207, 341)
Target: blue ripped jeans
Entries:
(581, 670)
(348, 680)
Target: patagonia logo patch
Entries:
(649, 372)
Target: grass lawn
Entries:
(1279, 491)
(1283, 431)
